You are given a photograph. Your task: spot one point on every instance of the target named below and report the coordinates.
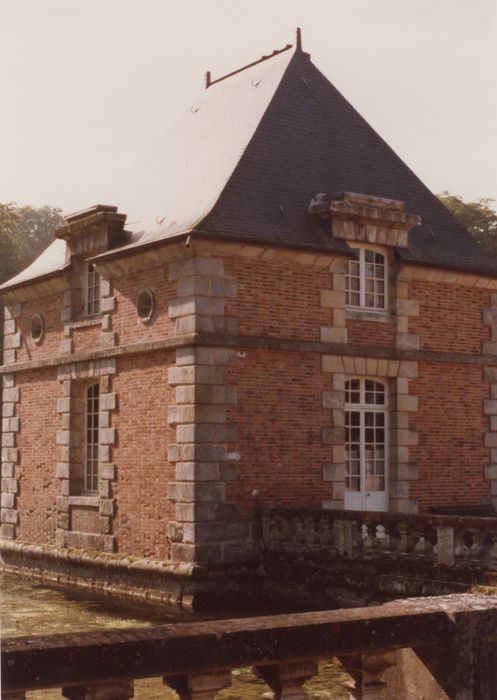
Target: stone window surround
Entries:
(74, 377)
(386, 275)
(37, 338)
(148, 317)
(75, 298)
(401, 404)
(399, 309)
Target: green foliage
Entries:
(479, 218)
(24, 233)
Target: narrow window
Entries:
(91, 437)
(365, 281)
(92, 291)
(366, 444)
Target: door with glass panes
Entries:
(366, 477)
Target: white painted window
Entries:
(92, 291)
(366, 280)
(92, 407)
(366, 443)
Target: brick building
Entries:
(305, 325)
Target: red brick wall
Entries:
(54, 328)
(371, 332)
(278, 300)
(142, 468)
(86, 337)
(39, 455)
(279, 418)
(450, 317)
(125, 320)
(450, 422)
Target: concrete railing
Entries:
(439, 539)
(453, 635)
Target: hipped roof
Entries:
(244, 161)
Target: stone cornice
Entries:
(254, 342)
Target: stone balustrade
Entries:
(453, 638)
(358, 535)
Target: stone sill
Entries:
(88, 501)
(86, 322)
(369, 315)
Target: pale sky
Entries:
(88, 86)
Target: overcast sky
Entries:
(88, 86)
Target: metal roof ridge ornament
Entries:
(298, 39)
(276, 52)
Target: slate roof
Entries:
(244, 161)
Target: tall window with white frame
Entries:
(92, 291)
(366, 281)
(366, 445)
(92, 408)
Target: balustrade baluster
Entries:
(403, 534)
(107, 690)
(477, 546)
(344, 532)
(461, 549)
(324, 532)
(199, 686)
(367, 671)
(286, 679)
(420, 546)
(445, 546)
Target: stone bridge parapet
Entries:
(453, 639)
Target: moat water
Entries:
(30, 609)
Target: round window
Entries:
(37, 328)
(145, 305)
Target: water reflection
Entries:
(27, 608)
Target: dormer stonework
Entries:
(366, 219)
(93, 230)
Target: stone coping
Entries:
(65, 659)
(100, 560)
(421, 519)
(255, 342)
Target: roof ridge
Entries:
(276, 52)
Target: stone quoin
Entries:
(304, 326)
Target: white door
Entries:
(366, 478)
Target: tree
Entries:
(9, 248)
(479, 218)
(24, 233)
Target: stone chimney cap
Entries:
(95, 209)
(81, 222)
